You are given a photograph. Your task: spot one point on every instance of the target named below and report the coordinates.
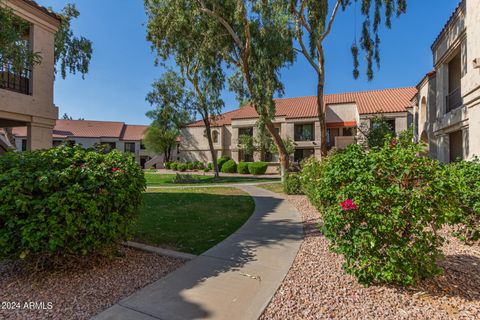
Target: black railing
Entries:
(454, 100)
(14, 80)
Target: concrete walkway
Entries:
(236, 279)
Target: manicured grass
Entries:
(274, 187)
(191, 219)
(167, 179)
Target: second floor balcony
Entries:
(454, 100)
(15, 80)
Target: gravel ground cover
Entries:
(80, 292)
(317, 288)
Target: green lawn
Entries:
(274, 187)
(191, 219)
(167, 179)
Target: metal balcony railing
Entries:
(14, 80)
(454, 100)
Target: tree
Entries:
(177, 31)
(171, 113)
(67, 117)
(258, 44)
(378, 132)
(314, 19)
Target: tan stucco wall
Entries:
(462, 36)
(37, 108)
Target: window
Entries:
(304, 132)
(245, 132)
(348, 132)
(454, 95)
(215, 136)
(456, 146)
(245, 157)
(24, 144)
(301, 154)
(130, 147)
(57, 143)
(142, 146)
(178, 149)
(391, 123)
(331, 134)
(271, 157)
(109, 146)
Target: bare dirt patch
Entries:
(316, 286)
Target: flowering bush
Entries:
(381, 209)
(66, 201)
(466, 175)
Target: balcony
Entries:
(454, 100)
(14, 80)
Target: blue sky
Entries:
(122, 68)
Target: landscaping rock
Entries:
(316, 286)
(83, 291)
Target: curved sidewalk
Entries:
(236, 279)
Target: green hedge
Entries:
(466, 175)
(292, 184)
(242, 167)
(221, 161)
(229, 167)
(257, 168)
(182, 167)
(66, 201)
(174, 166)
(381, 207)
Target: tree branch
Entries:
(330, 22)
(227, 26)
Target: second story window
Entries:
(454, 94)
(215, 136)
(130, 147)
(304, 132)
(142, 146)
(245, 132)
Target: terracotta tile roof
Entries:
(92, 129)
(460, 6)
(134, 132)
(368, 102)
(43, 9)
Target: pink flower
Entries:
(393, 143)
(114, 169)
(348, 205)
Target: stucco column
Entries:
(39, 136)
(444, 148)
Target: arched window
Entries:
(215, 136)
(423, 111)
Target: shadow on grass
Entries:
(170, 298)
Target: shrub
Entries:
(167, 165)
(206, 170)
(229, 167)
(182, 167)
(242, 167)
(381, 209)
(174, 166)
(199, 165)
(466, 175)
(292, 184)
(257, 168)
(221, 161)
(66, 201)
(210, 165)
(191, 166)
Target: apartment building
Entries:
(89, 133)
(348, 114)
(26, 96)
(447, 108)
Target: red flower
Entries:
(393, 143)
(348, 205)
(114, 169)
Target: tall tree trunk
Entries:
(321, 103)
(282, 151)
(210, 145)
